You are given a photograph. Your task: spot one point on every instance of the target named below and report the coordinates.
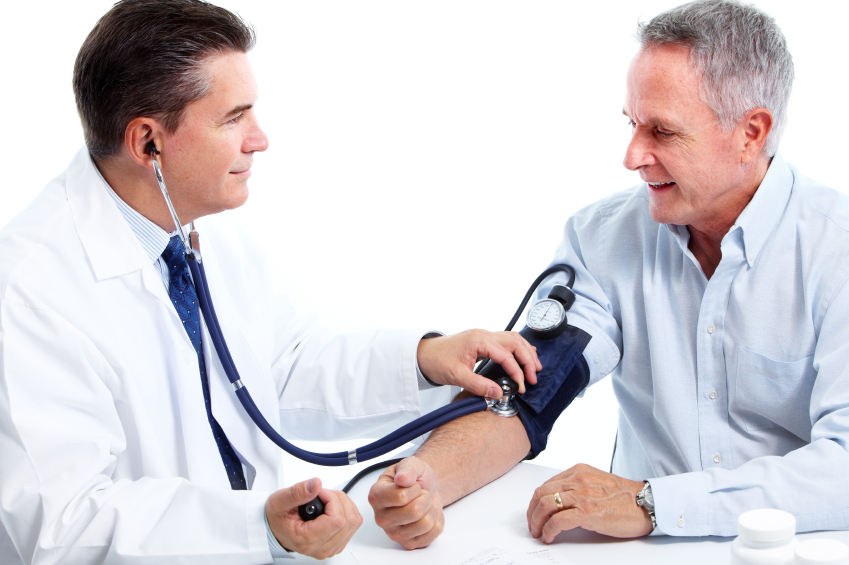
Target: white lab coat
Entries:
(106, 454)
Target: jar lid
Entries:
(822, 550)
(766, 525)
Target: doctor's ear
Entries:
(141, 138)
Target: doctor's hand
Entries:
(321, 538)
(592, 500)
(407, 504)
(450, 360)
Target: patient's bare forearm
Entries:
(473, 451)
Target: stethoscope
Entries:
(504, 406)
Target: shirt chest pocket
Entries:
(772, 393)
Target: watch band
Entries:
(645, 500)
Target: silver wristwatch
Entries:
(646, 501)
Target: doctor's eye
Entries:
(235, 119)
(632, 123)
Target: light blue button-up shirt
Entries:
(733, 391)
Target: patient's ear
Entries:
(755, 126)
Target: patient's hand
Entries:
(407, 503)
(592, 500)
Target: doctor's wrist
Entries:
(423, 380)
(277, 550)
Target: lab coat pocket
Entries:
(772, 393)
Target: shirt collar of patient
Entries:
(152, 238)
(760, 216)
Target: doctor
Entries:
(121, 439)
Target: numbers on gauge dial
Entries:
(545, 314)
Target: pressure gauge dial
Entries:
(547, 318)
(545, 315)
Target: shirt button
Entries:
(680, 522)
(712, 394)
(711, 328)
(717, 458)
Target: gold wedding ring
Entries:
(558, 502)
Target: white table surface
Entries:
(495, 516)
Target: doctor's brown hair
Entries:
(144, 58)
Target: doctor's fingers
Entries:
(328, 534)
(334, 536)
(288, 499)
(322, 535)
(524, 352)
(508, 351)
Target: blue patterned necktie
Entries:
(183, 295)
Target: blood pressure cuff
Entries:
(564, 374)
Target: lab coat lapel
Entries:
(109, 243)
(114, 251)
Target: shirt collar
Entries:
(759, 217)
(152, 238)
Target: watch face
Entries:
(545, 315)
(645, 498)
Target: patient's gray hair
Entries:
(740, 53)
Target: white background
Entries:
(424, 155)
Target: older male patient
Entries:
(715, 292)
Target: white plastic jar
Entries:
(765, 537)
(822, 551)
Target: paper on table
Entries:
(503, 545)
(501, 556)
(515, 546)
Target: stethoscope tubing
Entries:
(364, 453)
(395, 439)
(422, 421)
(399, 437)
(478, 404)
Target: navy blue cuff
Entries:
(564, 375)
